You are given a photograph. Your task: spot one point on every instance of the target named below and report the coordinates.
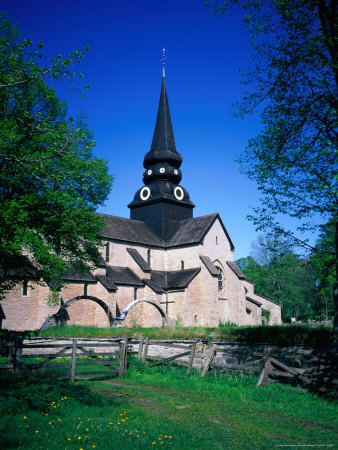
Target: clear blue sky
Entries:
(124, 71)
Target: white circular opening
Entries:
(162, 170)
(145, 193)
(176, 172)
(149, 172)
(179, 193)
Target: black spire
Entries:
(163, 153)
(162, 203)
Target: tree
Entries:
(282, 276)
(50, 183)
(294, 86)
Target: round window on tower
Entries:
(145, 193)
(162, 170)
(179, 193)
(176, 172)
(149, 172)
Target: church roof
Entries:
(136, 231)
(123, 275)
(237, 271)
(192, 231)
(139, 259)
(188, 231)
(20, 267)
(86, 277)
(177, 279)
(209, 265)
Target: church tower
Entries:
(162, 203)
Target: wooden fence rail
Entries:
(72, 352)
(155, 360)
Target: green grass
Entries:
(163, 407)
(277, 335)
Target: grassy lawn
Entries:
(164, 407)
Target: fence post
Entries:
(18, 353)
(123, 356)
(11, 350)
(145, 351)
(140, 348)
(192, 354)
(264, 376)
(74, 350)
(207, 364)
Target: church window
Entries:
(248, 310)
(216, 240)
(162, 170)
(149, 172)
(176, 172)
(220, 279)
(85, 290)
(135, 293)
(196, 319)
(148, 256)
(25, 288)
(245, 290)
(107, 252)
(182, 265)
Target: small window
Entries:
(220, 279)
(245, 290)
(248, 311)
(25, 288)
(216, 240)
(85, 290)
(135, 293)
(107, 252)
(182, 265)
(148, 256)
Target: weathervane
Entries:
(163, 60)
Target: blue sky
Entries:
(124, 72)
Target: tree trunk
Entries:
(335, 292)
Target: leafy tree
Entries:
(281, 275)
(50, 183)
(294, 85)
(324, 266)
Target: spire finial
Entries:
(163, 61)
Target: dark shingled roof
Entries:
(177, 279)
(138, 259)
(153, 285)
(86, 277)
(20, 267)
(237, 271)
(123, 275)
(107, 282)
(209, 265)
(252, 300)
(192, 231)
(181, 278)
(129, 230)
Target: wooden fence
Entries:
(316, 369)
(155, 360)
(72, 353)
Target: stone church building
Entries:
(182, 265)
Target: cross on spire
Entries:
(163, 60)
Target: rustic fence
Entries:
(155, 360)
(73, 353)
(315, 368)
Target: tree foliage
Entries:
(50, 183)
(284, 277)
(294, 86)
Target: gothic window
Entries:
(85, 290)
(25, 288)
(135, 293)
(216, 240)
(220, 279)
(107, 252)
(182, 265)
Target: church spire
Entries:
(162, 203)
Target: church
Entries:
(161, 266)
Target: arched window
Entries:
(148, 256)
(182, 265)
(25, 288)
(220, 279)
(107, 252)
